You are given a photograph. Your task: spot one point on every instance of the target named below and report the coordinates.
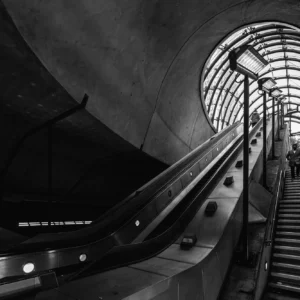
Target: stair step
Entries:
(287, 210)
(284, 277)
(287, 249)
(286, 257)
(288, 233)
(287, 241)
(287, 227)
(275, 296)
(284, 287)
(288, 221)
(286, 268)
(289, 216)
(289, 201)
(289, 206)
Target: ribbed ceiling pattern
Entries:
(223, 89)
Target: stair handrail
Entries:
(269, 237)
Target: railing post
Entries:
(49, 175)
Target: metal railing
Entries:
(266, 253)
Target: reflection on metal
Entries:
(222, 92)
(82, 257)
(60, 250)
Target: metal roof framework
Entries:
(222, 88)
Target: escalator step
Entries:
(286, 210)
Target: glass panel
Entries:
(276, 55)
(294, 73)
(224, 84)
(293, 63)
(274, 48)
(277, 64)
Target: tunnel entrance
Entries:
(222, 89)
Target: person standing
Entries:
(255, 118)
(293, 156)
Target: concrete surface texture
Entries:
(140, 61)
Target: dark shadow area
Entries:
(93, 168)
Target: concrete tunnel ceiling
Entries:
(141, 61)
(222, 88)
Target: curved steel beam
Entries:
(266, 53)
(258, 37)
(225, 60)
(275, 69)
(251, 32)
(296, 88)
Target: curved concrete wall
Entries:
(140, 61)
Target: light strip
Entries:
(61, 223)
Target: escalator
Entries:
(142, 225)
(284, 277)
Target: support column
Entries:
(273, 128)
(246, 169)
(49, 175)
(264, 140)
(278, 122)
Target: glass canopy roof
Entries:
(223, 89)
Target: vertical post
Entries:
(290, 125)
(278, 122)
(49, 174)
(282, 115)
(273, 128)
(264, 140)
(246, 168)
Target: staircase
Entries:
(284, 278)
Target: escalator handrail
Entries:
(53, 259)
(76, 236)
(151, 247)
